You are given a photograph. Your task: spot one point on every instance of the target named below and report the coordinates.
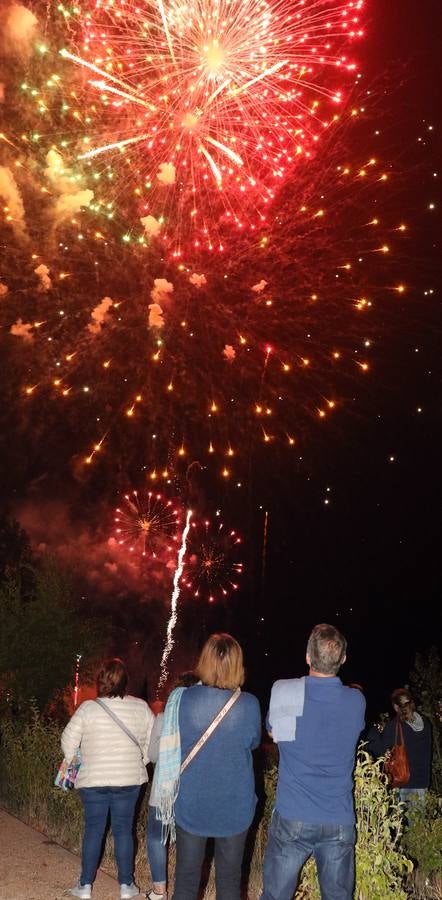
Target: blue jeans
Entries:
(290, 844)
(98, 802)
(412, 796)
(156, 850)
(190, 851)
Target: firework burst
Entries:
(201, 109)
(147, 522)
(213, 570)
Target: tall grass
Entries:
(30, 756)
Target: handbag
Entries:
(68, 771)
(397, 767)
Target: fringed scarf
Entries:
(168, 766)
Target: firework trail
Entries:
(173, 604)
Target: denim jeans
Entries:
(290, 844)
(412, 796)
(190, 851)
(98, 802)
(156, 850)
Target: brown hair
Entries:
(112, 678)
(402, 700)
(326, 648)
(221, 662)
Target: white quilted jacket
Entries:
(109, 757)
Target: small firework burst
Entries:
(146, 522)
(213, 569)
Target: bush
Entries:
(423, 838)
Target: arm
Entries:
(150, 719)
(154, 743)
(381, 741)
(72, 734)
(256, 725)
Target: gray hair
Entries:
(326, 648)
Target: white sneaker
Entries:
(152, 895)
(128, 890)
(83, 891)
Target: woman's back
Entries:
(109, 757)
(217, 791)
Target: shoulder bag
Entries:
(396, 766)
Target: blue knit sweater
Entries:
(217, 790)
(315, 770)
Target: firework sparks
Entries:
(146, 522)
(227, 94)
(213, 569)
(174, 603)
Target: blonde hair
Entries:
(221, 662)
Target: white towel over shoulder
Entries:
(286, 705)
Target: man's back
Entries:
(315, 770)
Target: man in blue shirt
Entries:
(316, 722)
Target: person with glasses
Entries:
(417, 739)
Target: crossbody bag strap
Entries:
(204, 737)
(120, 723)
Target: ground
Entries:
(35, 868)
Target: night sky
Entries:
(354, 519)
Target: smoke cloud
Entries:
(198, 280)
(151, 225)
(22, 329)
(229, 352)
(166, 173)
(18, 27)
(156, 316)
(99, 315)
(70, 199)
(42, 272)
(260, 286)
(10, 193)
(161, 290)
(68, 204)
(94, 555)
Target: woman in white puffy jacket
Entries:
(113, 734)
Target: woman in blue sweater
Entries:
(216, 796)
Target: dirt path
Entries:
(34, 868)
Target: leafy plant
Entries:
(422, 839)
(41, 633)
(381, 865)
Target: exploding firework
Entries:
(147, 522)
(208, 362)
(187, 116)
(136, 355)
(213, 569)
